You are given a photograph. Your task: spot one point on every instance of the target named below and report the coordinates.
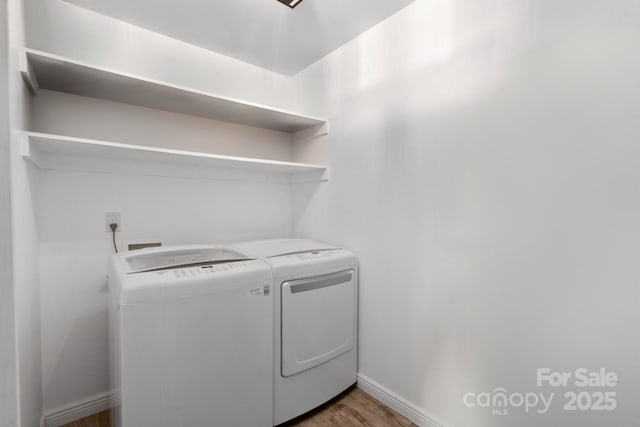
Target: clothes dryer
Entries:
(315, 321)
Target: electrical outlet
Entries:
(111, 218)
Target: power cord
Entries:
(114, 227)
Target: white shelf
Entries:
(52, 72)
(48, 151)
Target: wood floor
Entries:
(354, 408)
(98, 420)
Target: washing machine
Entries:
(191, 333)
(315, 289)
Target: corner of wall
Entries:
(8, 357)
(24, 243)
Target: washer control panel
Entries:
(178, 273)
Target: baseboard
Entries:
(101, 402)
(397, 403)
(76, 410)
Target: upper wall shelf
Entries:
(52, 72)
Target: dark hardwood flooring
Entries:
(354, 408)
(101, 419)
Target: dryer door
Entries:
(318, 320)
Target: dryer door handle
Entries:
(319, 282)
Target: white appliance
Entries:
(191, 338)
(315, 321)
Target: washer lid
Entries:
(167, 260)
(281, 247)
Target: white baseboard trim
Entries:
(103, 401)
(397, 403)
(76, 410)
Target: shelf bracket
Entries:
(25, 145)
(311, 177)
(311, 132)
(28, 75)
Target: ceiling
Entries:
(265, 33)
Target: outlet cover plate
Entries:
(110, 218)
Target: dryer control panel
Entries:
(313, 261)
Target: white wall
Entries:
(8, 378)
(24, 189)
(486, 169)
(24, 238)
